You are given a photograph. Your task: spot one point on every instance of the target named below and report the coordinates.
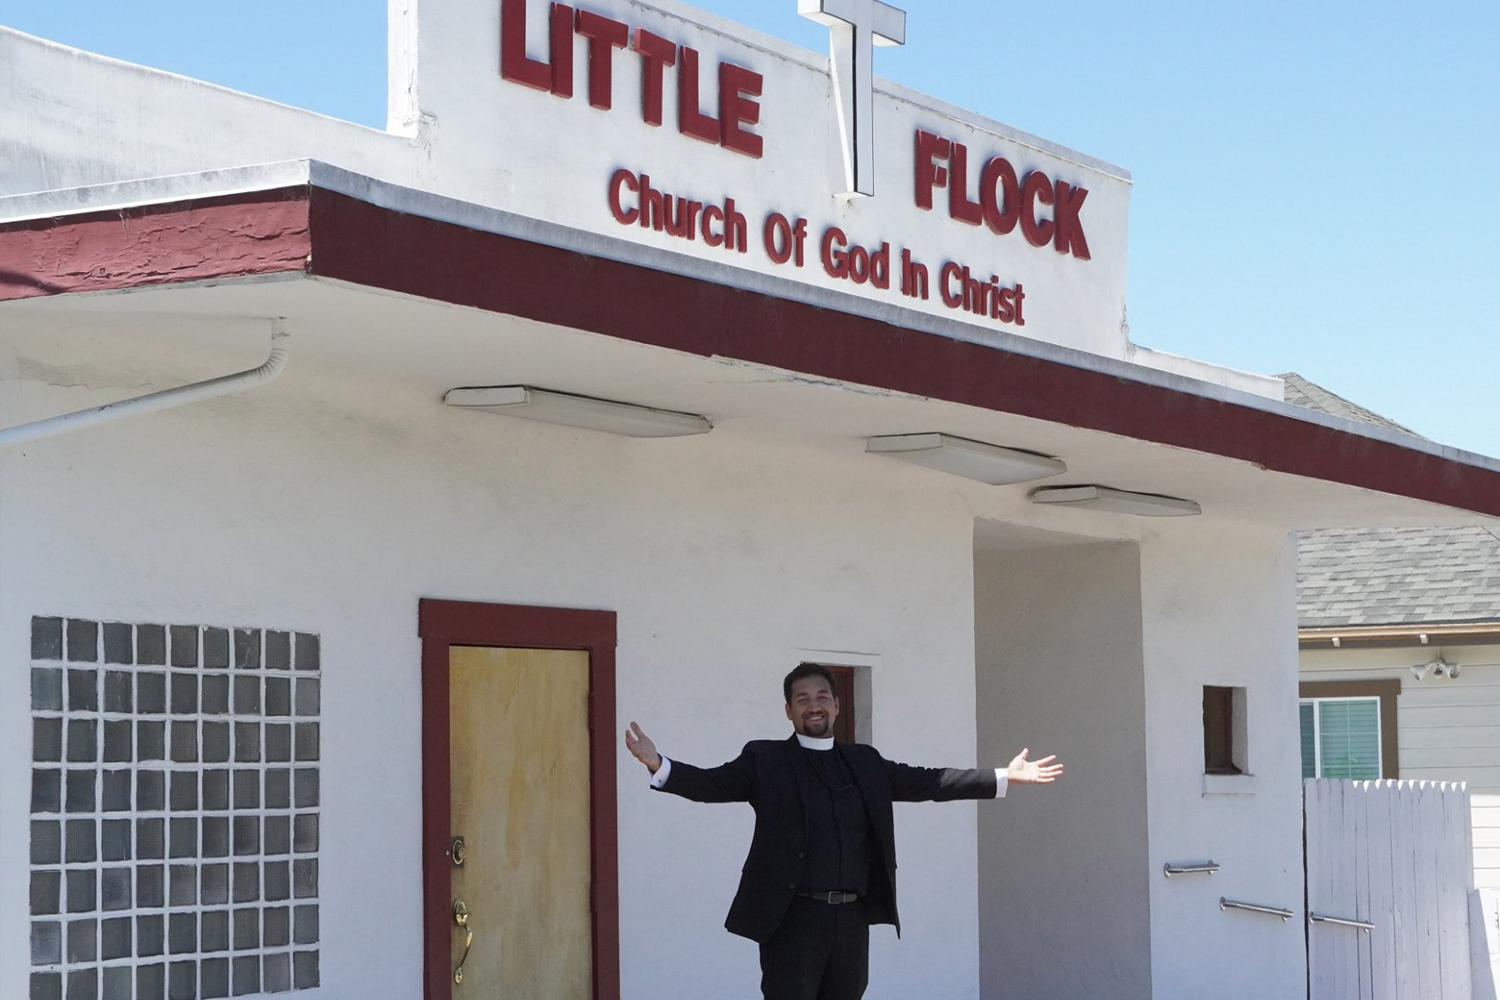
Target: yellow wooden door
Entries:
(519, 758)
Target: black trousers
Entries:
(821, 951)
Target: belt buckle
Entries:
(837, 897)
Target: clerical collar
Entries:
(816, 742)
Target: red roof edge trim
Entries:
(257, 233)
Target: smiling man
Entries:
(822, 861)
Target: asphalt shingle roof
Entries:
(1397, 576)
(1301, 392)
(1390, 576)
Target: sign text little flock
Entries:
(982, 191)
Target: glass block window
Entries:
(174, 811)
(1340, 737)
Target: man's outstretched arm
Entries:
(942, 784)
(731, 782)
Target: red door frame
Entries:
(460, 623)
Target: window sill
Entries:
(1228, 784)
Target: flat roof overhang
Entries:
(390, 264)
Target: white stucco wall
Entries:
(1216, 608)
(1447, 729)
(331, 504)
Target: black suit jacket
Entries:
(773, 776)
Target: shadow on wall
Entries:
(24, 285)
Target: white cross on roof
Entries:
(855, 27)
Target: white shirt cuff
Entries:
(1002, 781)
(660, 777)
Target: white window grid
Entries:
(241, 922)
(1317, 707)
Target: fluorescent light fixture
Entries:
(578, 411)
(1115, 501)
(987, 463)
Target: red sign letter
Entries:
(690, 118)
(656, 55)
(561, 27)
(515, 64)
(959, 205)
(622, 179)
(1069, 230)
(930, 148)
(1000, 193)
(1036, 188)
(605, 34)
(736, 85)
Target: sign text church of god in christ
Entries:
(1044, 210)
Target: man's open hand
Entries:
(643, 750)
(1031, 772)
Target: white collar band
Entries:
(816, 742)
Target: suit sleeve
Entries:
(730, 782)
(939, 784)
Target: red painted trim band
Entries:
(232, 236)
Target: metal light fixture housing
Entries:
(987, 463)
(1115, 501)
(572, 410)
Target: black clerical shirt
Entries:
(839, 848)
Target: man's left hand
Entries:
(1033, 772)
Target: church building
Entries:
(358, 487)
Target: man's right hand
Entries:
(641, 748)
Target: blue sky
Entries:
(1314, 181)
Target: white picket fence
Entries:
(1397, 855)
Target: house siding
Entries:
(1448, 729)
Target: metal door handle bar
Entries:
(1190, 868)
(461, 918)
(1273, 911)
(1323, 918)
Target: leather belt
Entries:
(834, 897)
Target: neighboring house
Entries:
(1399, 630)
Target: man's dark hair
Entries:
(802, 670)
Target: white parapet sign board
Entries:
(673, 128)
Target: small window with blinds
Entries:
(1341, 738)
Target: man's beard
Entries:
(818, 729)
